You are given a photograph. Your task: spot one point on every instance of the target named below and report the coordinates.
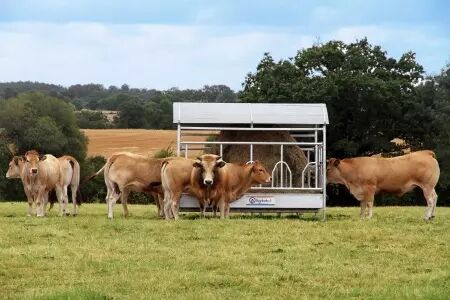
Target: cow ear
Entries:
(42, 157)
(220, 164)
(336, 162)
(16, 160)
(196, 164)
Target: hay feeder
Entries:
(304, 124)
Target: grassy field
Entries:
(396, 255)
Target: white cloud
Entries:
(152, 56)
(163, 56)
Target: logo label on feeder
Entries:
(260, 200)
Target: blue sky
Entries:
(162, 44)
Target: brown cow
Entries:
(125, 172)
(366, 176)
(237, 179)
(210, 180)
(68, 167)
(198, 178)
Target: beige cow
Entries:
(41, 174)
(366, 176)
(125, 172)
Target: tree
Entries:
(47, 124)
(132, 114)
(367, 93)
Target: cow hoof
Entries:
(432, 217)
(28, 215)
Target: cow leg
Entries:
(167, 205)
(227, 210)
(175, 204)
(40, 203)
(222, 208)
(429, 196)
(363, 205)
(65, 200)
(30, 203)
(124, 199)
(45, 202)
(435, 198)
(112, 200)
(74, 190)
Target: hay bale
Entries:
(267, 154)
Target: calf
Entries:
(366, 176)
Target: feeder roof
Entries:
(250, 113)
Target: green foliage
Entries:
(92, 120)
(93, 190)
(396, 255)
(141, 108)
(166, 152)
(10, 189)
(44, 123)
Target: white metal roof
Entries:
(248, 113)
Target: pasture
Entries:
(394, 255)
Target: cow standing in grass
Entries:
(41, 174)
(235, 180)
(125, 172)
(176, 178)
(366, 176)
(210, 180)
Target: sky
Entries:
(187, 44)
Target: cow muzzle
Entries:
(208, 181)
(33, 171)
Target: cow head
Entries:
(32, 159)
(15, 167)
(259, 172)
(208, 164)
(333, 172)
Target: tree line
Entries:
(371, 98)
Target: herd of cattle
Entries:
(214, 182)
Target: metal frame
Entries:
(294, 199)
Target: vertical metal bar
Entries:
(251, 152)
(316, 156)
(281, 165)
(221, 149)
(178, 138)
(324, 171)
(186, 150)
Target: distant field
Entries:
(107, 141)
(396, 255)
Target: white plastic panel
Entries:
(267, 201)
(250, 113)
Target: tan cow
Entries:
(366, 176)
(210, 180)
(235, 180)
(125, 172)
(177, 176)
(41, 174)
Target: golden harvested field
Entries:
(107, 141)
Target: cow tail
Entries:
(75, 181)
(96, 173)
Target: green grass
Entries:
(396, 255)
